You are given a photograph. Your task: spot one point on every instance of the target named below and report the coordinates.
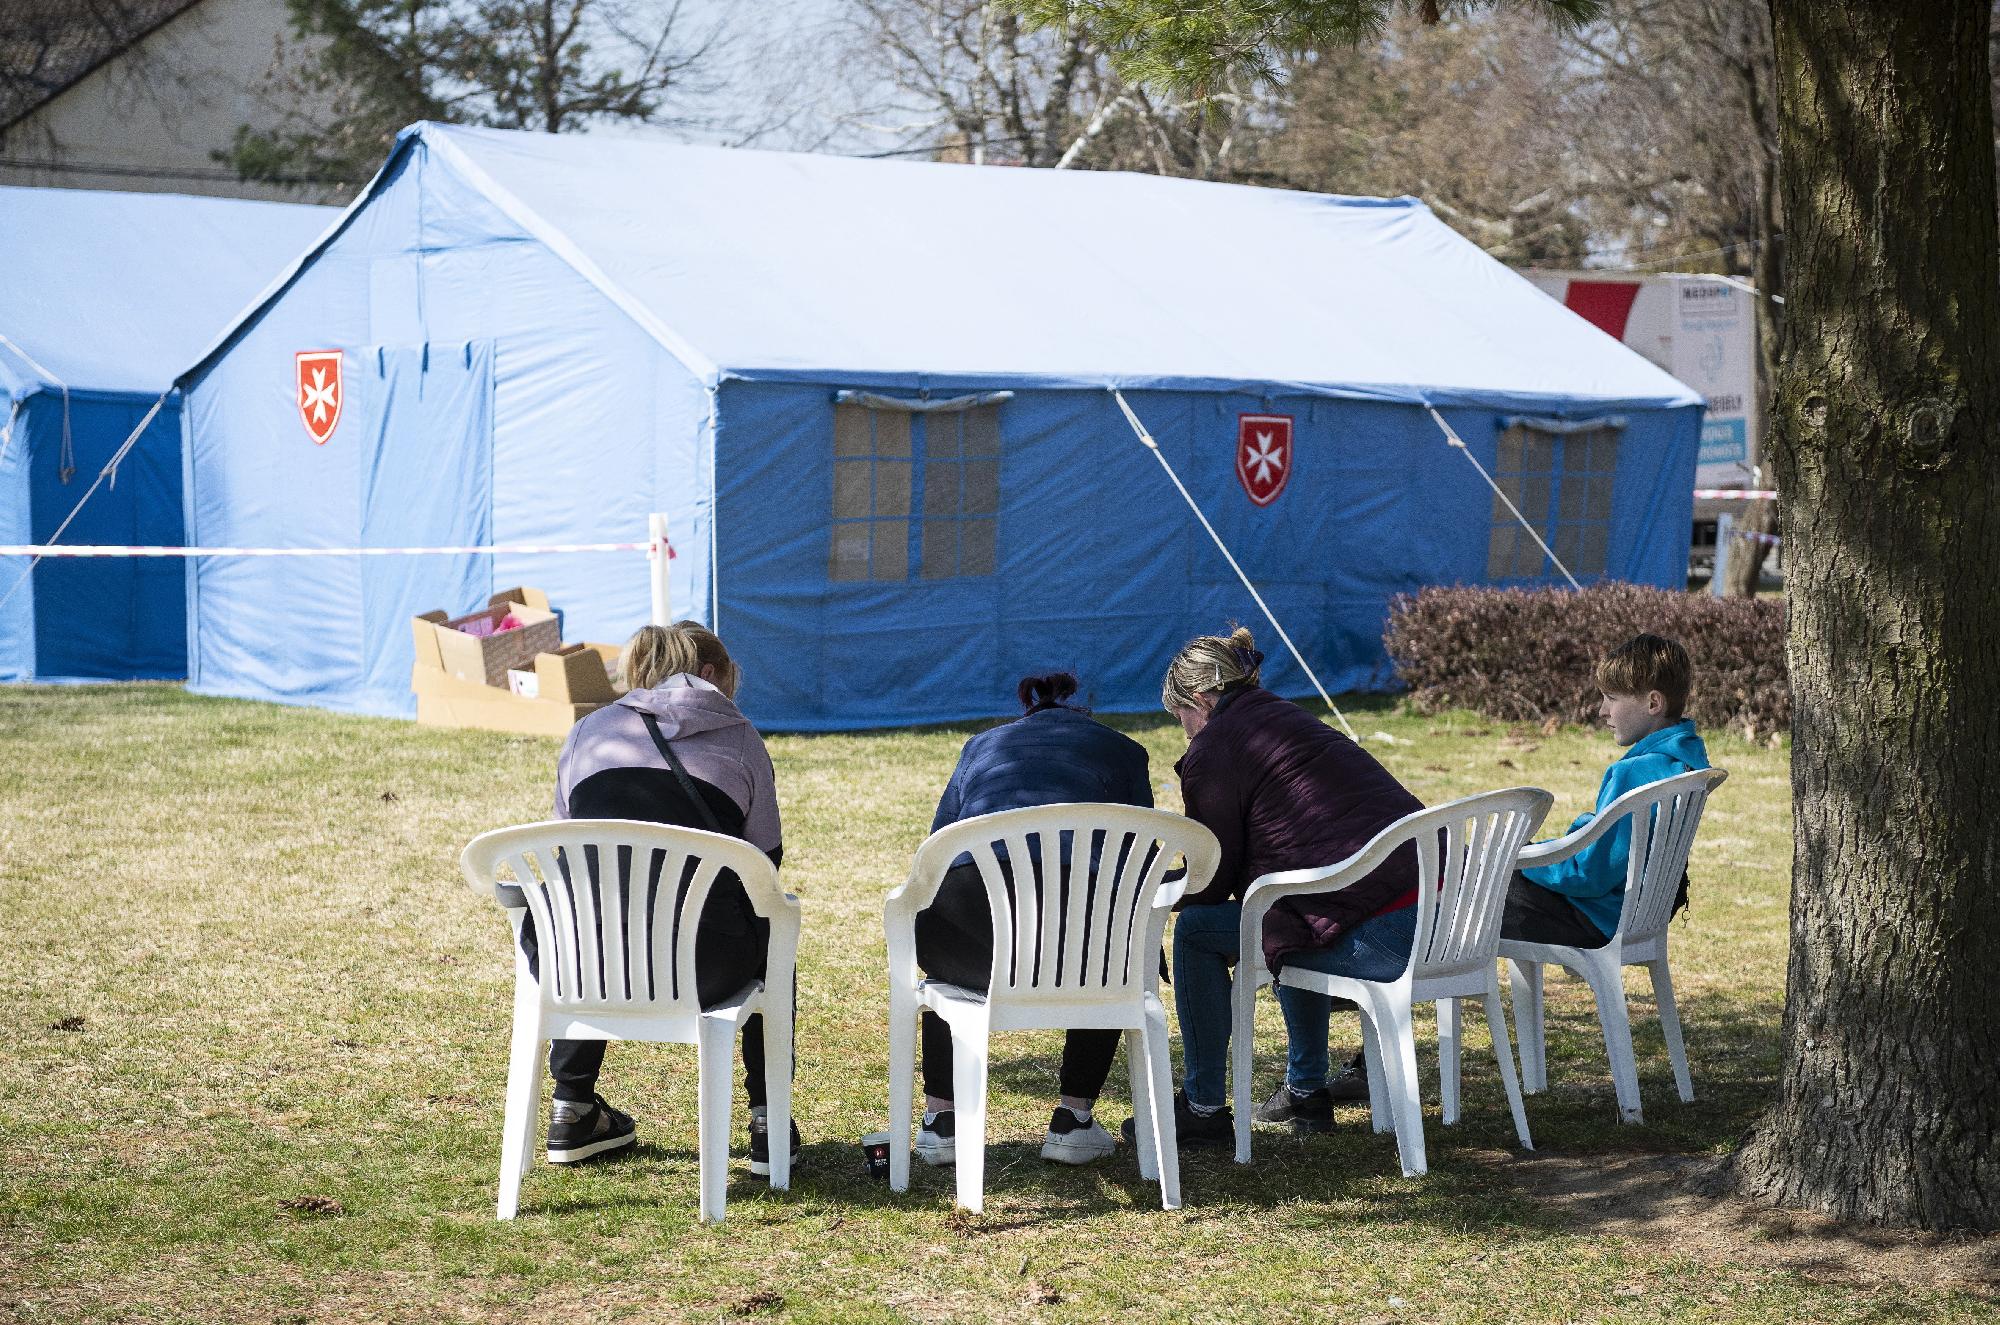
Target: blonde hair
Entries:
(655, 653)
(1210, 663)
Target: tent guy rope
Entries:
(1147, 439)
(1453, 439)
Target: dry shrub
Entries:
(1527, 655)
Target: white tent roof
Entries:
(118, 291)
(769, 264)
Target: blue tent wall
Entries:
(93, 619)
(1101, 568)
(590, 427)
(17, 614)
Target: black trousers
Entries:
(955, 945)
(727, 960)
(1536, 914)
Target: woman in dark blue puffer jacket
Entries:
(1053, 754)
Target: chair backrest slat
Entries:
(1465, 860)
(1663, 818)
(1069, 905)
(616, 905)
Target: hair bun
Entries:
(1241, 638)
(1045, 691)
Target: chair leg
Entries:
(1503, 1055)
(1242, 1036)
(716, 1037)
(1670, 1026)
(1607, 983)
(778, 1068)
(968, 1079)
(902, 1084)
(1139, 1065)
(524, 1095)
(1448, 1057)
(1381, 1114)
(1159, 1100)
(1400, 1062)
(1525, 980)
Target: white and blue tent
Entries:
(873, 398)
(105, 297)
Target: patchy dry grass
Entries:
(255, 1038)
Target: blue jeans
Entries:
(1205, 945)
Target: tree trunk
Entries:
(1886, 460)
(1745, 560)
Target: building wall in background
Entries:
(152, 118)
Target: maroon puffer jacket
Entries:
(1283, 791)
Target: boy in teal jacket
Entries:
(1576, 902)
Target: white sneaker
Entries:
(937, 1143)
(1073, 1141)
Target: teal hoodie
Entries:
(1594, 878)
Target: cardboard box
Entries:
(451, 671)
(486, 658)
(577, 674)
(445, 701)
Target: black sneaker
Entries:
(937, 1140)
(1071, 1140)
(1350, 1084)
(603, 1128)
(760, 1144)
(1191, 1129)
(1306, 1113)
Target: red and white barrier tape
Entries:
(1752, 536)
(1735, 494)
(110, 550)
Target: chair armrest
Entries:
(911, 896)
(509, 895)
(1640, 797)
(1267, 890)
(1558, 849)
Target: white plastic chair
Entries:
(1453, 957)
(617, 959)
(1664, 816)
(1087, 961)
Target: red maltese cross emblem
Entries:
(1263, 455)
(319, 392)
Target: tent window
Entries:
(1562, 482)
(914, 493)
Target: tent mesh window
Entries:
(915, 495)
(1561, 479)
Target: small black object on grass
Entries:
(875, 1155)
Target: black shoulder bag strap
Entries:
(681, 775)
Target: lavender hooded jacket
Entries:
(714, 740)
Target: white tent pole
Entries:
(1161, 456)
(656, 556)
(1453, 439)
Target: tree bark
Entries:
(1887, 405)
(1745, 561)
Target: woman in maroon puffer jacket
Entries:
(1280, 790)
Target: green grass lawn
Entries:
(255, 1025)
